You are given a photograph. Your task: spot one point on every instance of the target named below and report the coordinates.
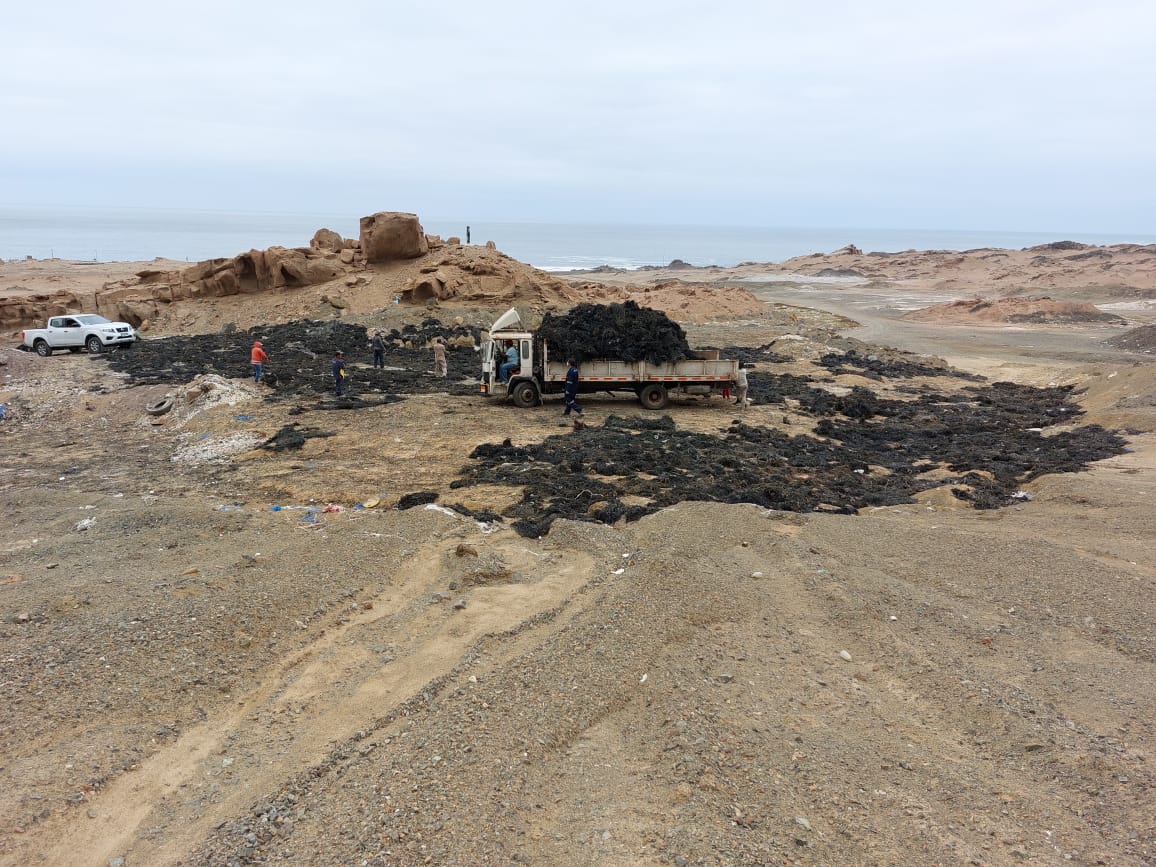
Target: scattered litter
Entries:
(433, 507)
(333, 507)
(643, 678)
(845, 656)
(371, 503)
(242, 418)
(1021, 495)
(617, 571)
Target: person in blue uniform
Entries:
(339, 372)
(570, 391)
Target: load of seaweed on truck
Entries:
(625, 332)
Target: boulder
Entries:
(326, 239)
(389, 236)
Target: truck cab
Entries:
(522, 387)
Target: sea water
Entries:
(132, 235)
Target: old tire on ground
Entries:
(525, 395)
(93, 345)
(42, 348)
(653, 396)
(160, 407)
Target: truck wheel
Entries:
(525, 395)
(653, 396)
(42, 348)
(94, 345)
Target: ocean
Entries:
(131, 234)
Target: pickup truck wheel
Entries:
(160, 407)
(653, 396)
(94, 345)
(525, 395)
(42, 348)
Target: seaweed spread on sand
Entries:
(299, 355)
(983, 444)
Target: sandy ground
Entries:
(194, 678)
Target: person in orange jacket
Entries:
(258, 357)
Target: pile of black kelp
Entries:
(874, 366)
(869, 451)
(300, 355)
(621, 331)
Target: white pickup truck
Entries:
(76, 331)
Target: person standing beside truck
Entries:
(258, 357)
(741, 385)
(570, 390)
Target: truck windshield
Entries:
(91, 319)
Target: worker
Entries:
(512, 361)
(741, 385)
(339, 372)
(377, 343)
(439, 356)
(258, 357)
(570, 391)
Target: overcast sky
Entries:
(1014, 115)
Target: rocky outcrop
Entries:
(461, 275)
(271, 270)
(389, 236)
(327, 239)
(31, 311)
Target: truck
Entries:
(76, 331)
(540, 373)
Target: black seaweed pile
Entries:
(623, 331)
(877, 367)
(292, 436)
(988, 437)
(300, 354)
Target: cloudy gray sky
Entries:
(1015, 115)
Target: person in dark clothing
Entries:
(467, 234)
(570, 391)
(378, 346)
(339, 372)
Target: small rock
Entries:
(116, 862)
(756, 574)
(86, 524)
(679, 861)
(460, 604)
(802, 822)
(845, 656)
(23, 617)
(725, 678)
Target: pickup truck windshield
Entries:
(91, 319)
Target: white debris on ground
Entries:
(217, 449)
(205, 392)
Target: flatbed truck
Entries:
(541, 374)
